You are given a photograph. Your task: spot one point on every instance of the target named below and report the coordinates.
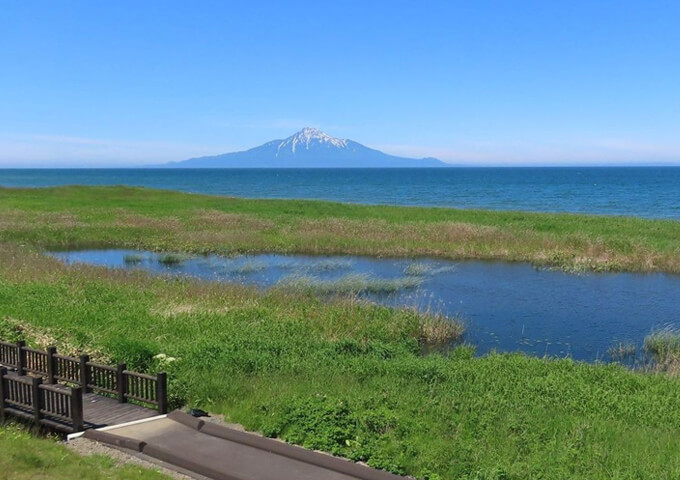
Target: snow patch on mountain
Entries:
(310, 137)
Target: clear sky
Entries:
(90, 83)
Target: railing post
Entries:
(122, 382)
(21, 358)
(77, 409)
(3, 393)
(51, 365)
(162, 392)
(84, 373)
(37, 399)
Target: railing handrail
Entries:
(145, 376)
(17, 379)
(66, 357)
(102, 367)
(144, 388)
(35, 350)
(66, 391)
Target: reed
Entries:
(622, 350)
(664, 344)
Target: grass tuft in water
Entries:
(349, 284)
(133, 259)
(664, 344)
(418, 269)
(318, 266)
(250, 266)
(622, 350)
(171, 259)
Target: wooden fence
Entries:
(44, 404)
(58, 383)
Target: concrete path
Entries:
(222, 453)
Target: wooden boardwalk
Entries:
(74, 394)
(101, 411)
(98, 411)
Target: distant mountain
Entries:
(308, 148)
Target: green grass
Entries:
(26, 457)
(348, 378)
(86, 217)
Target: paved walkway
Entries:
(222, 453)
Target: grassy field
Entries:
(341, 376)
(348, 378)
(77, 217)
(26, 457)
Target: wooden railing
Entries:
(80, 374)
(66, 369)
(64, 405)
(9, 354)
(54, 406)
(146, 388)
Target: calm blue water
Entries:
(652, 192)
(507, 307)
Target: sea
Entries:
(650, 192)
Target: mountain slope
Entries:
(308, 148)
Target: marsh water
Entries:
(505, 306)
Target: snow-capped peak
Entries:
(309, 136)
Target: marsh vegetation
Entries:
(342, 375)
(125, 217)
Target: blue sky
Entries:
(504, 82)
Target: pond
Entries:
(505, 306)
